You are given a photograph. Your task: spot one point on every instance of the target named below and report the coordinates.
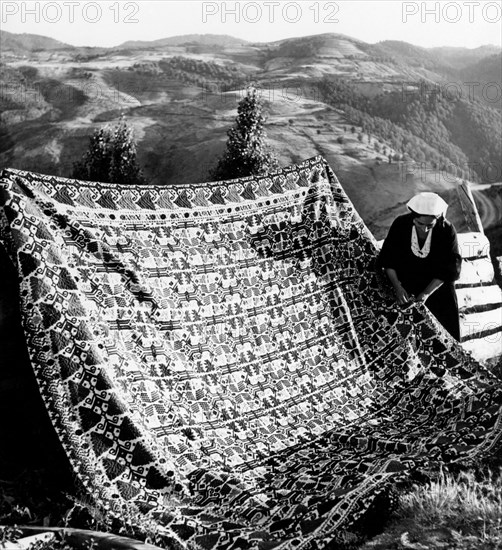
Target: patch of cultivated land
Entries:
(181, 129)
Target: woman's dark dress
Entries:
(443, 262)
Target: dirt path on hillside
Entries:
(489, 212)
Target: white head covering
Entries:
(427, 204)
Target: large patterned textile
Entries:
(222, 357)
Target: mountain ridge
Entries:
(181, 98)
(225, 39)
(205, 39)
(30, 42)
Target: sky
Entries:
(109, 23)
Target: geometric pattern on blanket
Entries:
(223, 357)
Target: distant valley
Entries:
(390, 118)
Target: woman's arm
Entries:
(391, 257)
(431, 287)
(402, 296)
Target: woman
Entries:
(422, 260)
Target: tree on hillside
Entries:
(247, 152)
(111, 157)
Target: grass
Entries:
(463, 503)
(454, 511)
(470, 509)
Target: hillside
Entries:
(486, 70)
(416, 56)
(429, 127)
(180, 94)
(462, 57)
(25, 43)
(199, 39)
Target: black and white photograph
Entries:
(250, 275)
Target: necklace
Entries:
(415, 248)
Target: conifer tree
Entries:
(247, 152)
(111, 157)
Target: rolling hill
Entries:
(180, 94)
(23, 43)
(462, 57)
(221, 40)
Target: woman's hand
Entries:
(422, 298)
(402, 297)
(430, 288)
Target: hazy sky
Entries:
(109, 23)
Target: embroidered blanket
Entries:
(223, 358)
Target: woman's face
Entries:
(424, 224)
